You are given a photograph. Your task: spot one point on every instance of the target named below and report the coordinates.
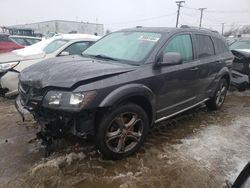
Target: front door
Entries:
(179, 85)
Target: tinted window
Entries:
(77, 48)
(181, 44)
(220, 46)
(205, 47)
(125, 46)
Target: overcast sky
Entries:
(117, 14)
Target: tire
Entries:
(122, 131)
(217, 101)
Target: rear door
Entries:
(208, 64)
(179, 82)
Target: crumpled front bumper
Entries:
(25, 114)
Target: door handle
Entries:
(194, 69)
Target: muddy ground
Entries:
(196, 149)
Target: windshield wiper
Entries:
(104, 57)
(101, 56)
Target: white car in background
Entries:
(12, 63)
(25, 40)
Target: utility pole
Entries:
(179, 4)
(201, 9)
(222, 28)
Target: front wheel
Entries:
(122, 131)
(217, 101)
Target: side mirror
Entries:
(64, 53)
(171, 58)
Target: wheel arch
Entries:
(134, 93)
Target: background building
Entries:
(63, 26)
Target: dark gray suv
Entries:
(124, 84)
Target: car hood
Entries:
(14, 56)
(66, 71)
(241, 53)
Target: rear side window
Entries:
(220, 46)
(181, 44)
(205, 47)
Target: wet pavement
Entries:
(197, 149)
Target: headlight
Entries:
(4, 67)
(67, 100)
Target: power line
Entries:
(229, 11)
(220, 11)
(179, 4)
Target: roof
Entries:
(24, 37)
(78, 36)
(151, 29)
(21, 25)
(172, 29)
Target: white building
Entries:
(63, 26)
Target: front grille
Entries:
(23, 88)
(30, 97)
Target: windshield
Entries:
(127, 46)
(54, 45)
(19, 41)
(240, 45)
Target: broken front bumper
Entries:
(25, 114)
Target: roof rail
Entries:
(201, 28)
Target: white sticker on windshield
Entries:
(148, 38)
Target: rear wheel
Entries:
(217, 101)
(122, 131)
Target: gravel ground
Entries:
(196, 149)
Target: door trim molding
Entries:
(176, 104)
(183, 110)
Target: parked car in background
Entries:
(7, 45)
(124, 83)
(241, 69)
(24, 40)
(240, 44)
(241, 66)
(231, 40)
(11, 64)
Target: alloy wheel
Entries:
(124, 132)
(221, 94)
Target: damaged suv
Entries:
(124, 83)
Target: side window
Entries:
(181, 44)
(205, 47)
(221, 46)
(77, 48)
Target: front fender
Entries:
(124, 92)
